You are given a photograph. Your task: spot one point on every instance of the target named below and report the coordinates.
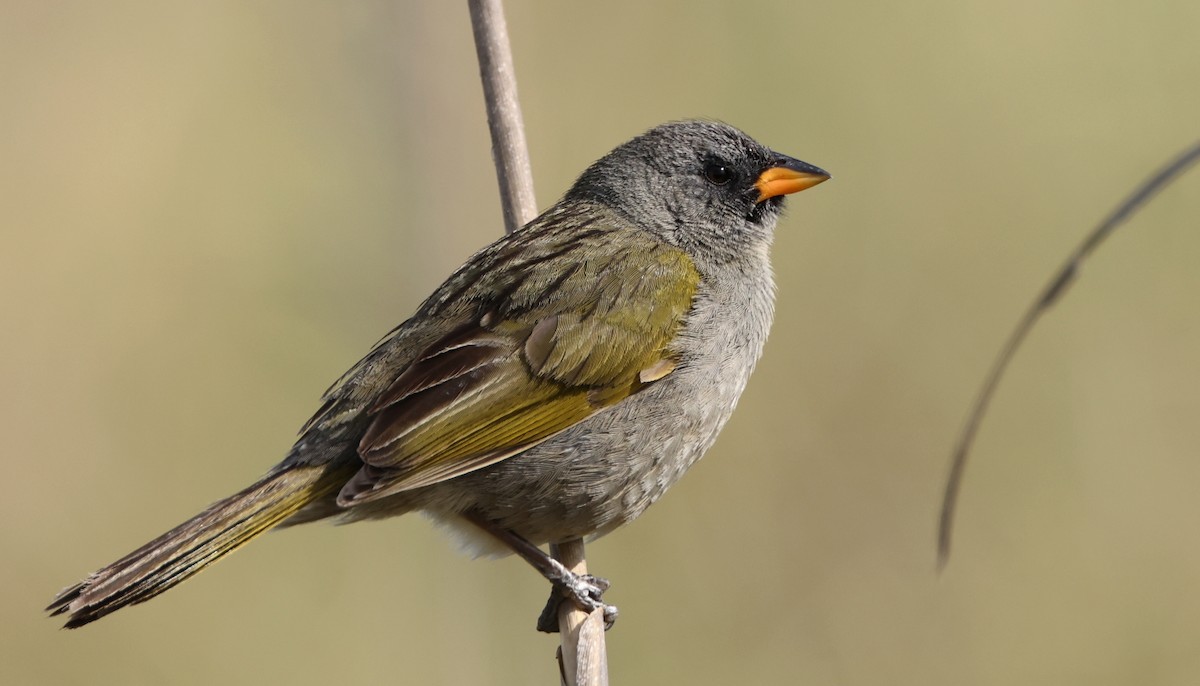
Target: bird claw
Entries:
(584, 590)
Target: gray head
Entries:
(703, 186)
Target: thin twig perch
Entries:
(509, 151)
(582, 655)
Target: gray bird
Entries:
(552, 388)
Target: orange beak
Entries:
(787, 175)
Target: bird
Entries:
(552, 388)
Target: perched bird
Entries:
(552, 388)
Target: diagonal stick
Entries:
(583, 654)
(1050, 294)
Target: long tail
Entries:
(202, 540)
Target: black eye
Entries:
(717, 173)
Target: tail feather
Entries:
(223, 527)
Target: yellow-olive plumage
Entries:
(554, 353)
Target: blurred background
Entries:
(210, 210)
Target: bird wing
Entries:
(557, 345)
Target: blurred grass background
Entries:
(212, 209)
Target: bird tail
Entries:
(202, 540)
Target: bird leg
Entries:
(582, 589)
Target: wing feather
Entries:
(550, 350)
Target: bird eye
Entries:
(717, 174)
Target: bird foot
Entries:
(584, 590)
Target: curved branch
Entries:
(1050, 294)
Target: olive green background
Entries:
(210, 210)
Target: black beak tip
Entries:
(794, 164)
